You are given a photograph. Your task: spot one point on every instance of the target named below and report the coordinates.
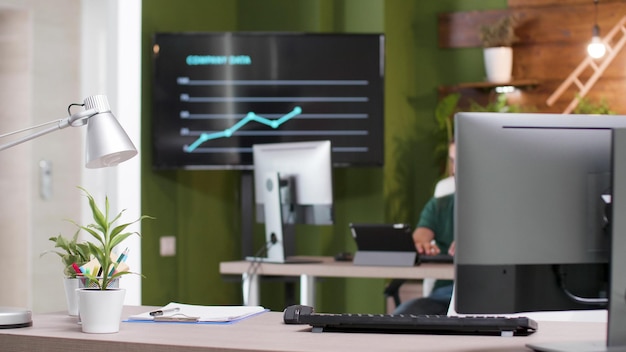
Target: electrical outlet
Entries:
(167, 246)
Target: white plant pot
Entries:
(71, 296)
(101, 310)
(498, 64)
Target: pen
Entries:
(120, 259)
(160, 312)
(123, 256)
(76, 268)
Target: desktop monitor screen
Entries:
(532, 211)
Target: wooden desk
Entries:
(325, 267)
(265, 332)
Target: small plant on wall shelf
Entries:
(497, 39)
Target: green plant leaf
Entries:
(500, 33)
(97, 215)
(107, 237)
(70, 252)
(587, 106)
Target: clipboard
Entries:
(189, 313)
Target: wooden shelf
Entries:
(521, 83)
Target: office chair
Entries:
(444, 187)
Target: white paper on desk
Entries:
(204, 313)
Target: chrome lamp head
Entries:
(107, 142)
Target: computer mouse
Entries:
(344, 257)
(292, 314)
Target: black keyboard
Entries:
(437, 258)
(401, 323)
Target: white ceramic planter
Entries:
(101, 310)
(71, 296)
(498, 64)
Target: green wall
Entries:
(201, 208)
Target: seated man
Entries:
(434, 234)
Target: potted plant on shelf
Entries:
(101, 300)
(73, 255)
(497, 40)
(587, 106)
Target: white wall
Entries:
(15, 203)
(38, 90)
(54, 53)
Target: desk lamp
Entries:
(107, 145)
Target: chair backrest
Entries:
(444, 187)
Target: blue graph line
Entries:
(249, 117)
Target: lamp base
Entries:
(11, 318)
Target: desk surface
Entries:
(265, 332)
(328, 267)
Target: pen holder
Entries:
(84, 282)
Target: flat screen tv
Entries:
(217, 94)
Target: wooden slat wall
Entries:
(553, 39)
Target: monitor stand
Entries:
(616, 324)
(274, 230)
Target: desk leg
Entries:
(250, 288)
(307, 290)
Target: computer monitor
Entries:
(533, 212)
(293, 184)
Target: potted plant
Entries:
(587, 106)
(73, 255)
(101, 306)
(497, 39)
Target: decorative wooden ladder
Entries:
(597, 65)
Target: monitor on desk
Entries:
(533, 212)
(293, 184)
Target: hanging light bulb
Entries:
(596, 48)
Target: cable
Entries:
(69, 112)
(257, 259)
(595, 5)
(560, 278)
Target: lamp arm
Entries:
(75, 120)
